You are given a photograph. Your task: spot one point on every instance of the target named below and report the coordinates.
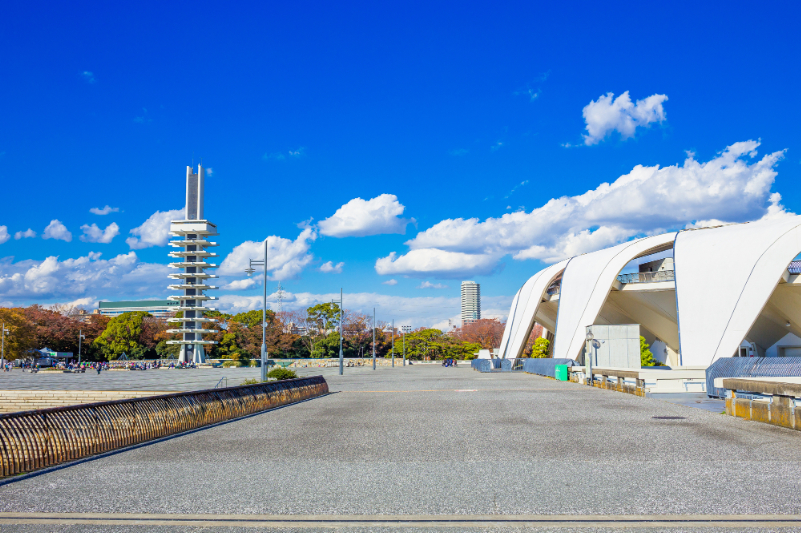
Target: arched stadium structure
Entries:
(728, 285)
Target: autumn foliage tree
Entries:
(487, 332)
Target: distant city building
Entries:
(471, 302)
(157, 308)
(192, 279)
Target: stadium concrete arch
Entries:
(697, 294)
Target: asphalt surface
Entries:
(437, 441)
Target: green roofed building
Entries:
(159, 308)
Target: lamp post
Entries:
(404, 331)
(341, 355)
(373, 338)
(392, 331)
(3, 333)
(81, 336)
(588, 354)
(250, 270)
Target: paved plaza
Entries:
(431, 441)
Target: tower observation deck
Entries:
(193, 260)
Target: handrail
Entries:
(647, 277)
(30, 440)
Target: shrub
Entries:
(232, 364)
(281, 373)
(250, 382)
(540, 348)
(646, 357)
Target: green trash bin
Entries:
(561, 372)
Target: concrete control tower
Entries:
(193, 233)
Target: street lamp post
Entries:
(404, 331)
(250, 270)
(341, 355)
(3, 333)
(393, 343)
(81, 336)
(588, 355)
(373, 338)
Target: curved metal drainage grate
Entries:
(669, 417)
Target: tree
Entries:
(540, 348)
(488, 332)
(123, 335)
(20, 333)
(323, 316)
(646, 357)
(252, 318)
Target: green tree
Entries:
(540, 348)
(646, 357)
(324, 316)
(252, 319)
(122, 335)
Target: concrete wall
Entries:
(12, 401)
(616, 346)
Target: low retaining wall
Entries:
(12, 401)
(773, 401)
(619, 384)
(31, 440)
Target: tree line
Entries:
(307, 333)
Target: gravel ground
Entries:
(430, 440)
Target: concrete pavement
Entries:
(425, 440)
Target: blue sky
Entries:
(431, 114)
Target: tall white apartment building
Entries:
(471, 302)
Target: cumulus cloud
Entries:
(733, 186)
(608, 114)
(359, 218)
(429, 285)
(27, 234)
(4, 236)
(433, 261)
(52, 279)
(411, 311)
(155, 231)
(88, 77)
(239, 284)
(57, 230)
(390, 282)
(285, 258)
(104, 210)
(331, 268)
(94, 234)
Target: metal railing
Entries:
(750, 367)
(647, 277)
(31, 440)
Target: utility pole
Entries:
(373, 338)
(81, 336)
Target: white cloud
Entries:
(359, 218)
(280, 156)
(88, 77)
(122, 276)
(57, 230)
(239, 284)
(330, 267)
(412, 311)
(429, 285)
(390, 282)
(104, 210)
(94, 234)
(4, 236)
(459, 151)
(609, 114)
(155, 231)
(285, 258)
(432, 261)
(27, 234)
(732, 186)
